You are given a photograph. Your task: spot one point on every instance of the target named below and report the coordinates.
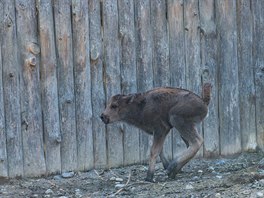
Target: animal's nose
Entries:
(104, 118)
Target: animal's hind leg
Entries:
(189, 133)
(163, 159)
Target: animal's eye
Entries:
(113, 106)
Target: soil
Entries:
(241, 176)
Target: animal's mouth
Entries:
(104, 118)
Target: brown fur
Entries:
(156, 112)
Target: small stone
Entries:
(188, 187)
(200, 171)
(119, 179)
(119, 186)
(261, 181)
(211, 168)
(246, 192)
(259, 194)
(49, 191)
(112, 179)
(63, 197)
(35, 195)
(217, 195)
(67, 174)
(57, 177)
(219, 176)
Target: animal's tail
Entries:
(206, 94)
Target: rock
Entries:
(119, 179)
(57, 177)
(112, 179)
(219, 176)
(67, 174)
(261, 164)
(217, 195)
(259, 194)
(49, 191)
(119, 186)
(188, 187)
(78, 193)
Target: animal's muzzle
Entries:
(104, 118)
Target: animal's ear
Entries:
(135, 98)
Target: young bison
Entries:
(156, 112)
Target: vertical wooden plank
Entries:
(3, 154)
(192, 49)
(128, 74)
(161, 67)
(11, 92)
(31, 117)
(81, 57)
(98, 95)
(112, 77)
(144, 62)
(246, 75)
(230, 137)
(176, 59)
(63, 30)
(258, 51)
(209, 74)
(49, 92)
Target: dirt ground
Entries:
(240, 176)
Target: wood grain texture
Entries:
(30, 99)
(49, 91)
(246, 74)
(176, 59)
(144, 63)
(11, 92)
(258, 50)
(208, 47)
(82, 83)
(128, 74)
(229, 121)
(63, 36)
(97, 83)
(3, 153)
(112, 79)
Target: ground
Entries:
(240, 176)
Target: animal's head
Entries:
(120, 107)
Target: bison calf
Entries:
(156, 112)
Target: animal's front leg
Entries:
(163, 159)
(155, 151)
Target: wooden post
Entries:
(209, 74)
(258, 51)
(229, 121)
(112, 78)
(144, 62)
(63, 30)
(32, 130)
(3, 154)
(246, 76)
(49, 92)
(98, 95)
(81, 57)
(161, 67)
(192, 50)
(11, 92)
(128, 74)
(176, 59)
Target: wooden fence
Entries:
(61, 60)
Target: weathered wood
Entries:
(49, 92)
(161, 71)
(246, 74)
(230, 136)
(98, 95)
(112, 80)
(3, 154)
(31, 116)
(192, 50)
(258, 51)
(128, 74)
(83, 103)
(176, 59)
(11, 92)
(209, 74)
(144, 62)
(62, 15)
